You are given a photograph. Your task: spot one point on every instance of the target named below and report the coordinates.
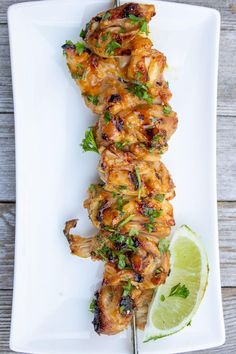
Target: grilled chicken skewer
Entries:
(121, 79)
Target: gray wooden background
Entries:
(226, 163)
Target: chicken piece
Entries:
(104, 83)
(120, 31)
(112, 311)
(123, 174)
(143, 130)
(149, 215)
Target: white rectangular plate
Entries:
(52, 289)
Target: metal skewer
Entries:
(116, 3)
(134, 336)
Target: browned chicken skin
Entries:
(121, 79)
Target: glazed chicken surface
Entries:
(120, 76)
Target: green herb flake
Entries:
(140, 90)
(111, 47)
(159, 197)
(167, 110)
(139, 182)
(158, 270)
(89, 143)
(107, 116)
(163, 245)
(156, 138)
(133, 232)
(82, 34)
(135, 19)
(144, 28)
(105, 36)
(189, 323)
(149, 227)
(93, 99)
(180, 291)
(127, 288)
(162, 297)
(126, 220)
(108, 228)
(106, 16)
(122, 309)
(79, 47)
(121, 261)
(138, 75)
(92, 187)
(119, 203)
(114, 194)
(152, 213)
(92, 305)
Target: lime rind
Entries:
(186, 236)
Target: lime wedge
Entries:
(175, 302)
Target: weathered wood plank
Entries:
(7, 158)
(226, 84)
(226, 8)
(226, 152)
(227, 227)
(229, 303)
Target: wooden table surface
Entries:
(226, 172)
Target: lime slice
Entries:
(175, 302)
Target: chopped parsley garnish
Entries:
(108, 228)
(106, 16)
(143, 23)
(89, 143)
(121, 261)
(141, 91)
(120, 145)
(152, 213)
(149, 227)
(93, 99)
(167, 110)
(156, 138)
(167, 84)
(122, 308)
(92, 187)
(133, 232)
(120, 203)
(103, 252)
(163, 245)
(126, 220)
(138, 75)
(162, 297)
(107, 116)
(105, 36)
(92, 305)
(111, 47)
(180, 291)
(83, 33)
(159, 197)
(139, 182)
(80, 66)
(127, 288)
(79, 47)
(158, 270)
(144, 28)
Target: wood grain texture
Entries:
(227, 227)
(226, 152)
(227, 69)
(229, 304)
(226, 166)
(226, 8)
